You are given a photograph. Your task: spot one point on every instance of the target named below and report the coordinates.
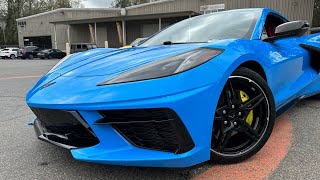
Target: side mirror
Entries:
(293, 28)
(289, 29)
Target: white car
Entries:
(9, 53)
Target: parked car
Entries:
(80, 47)
(9, 53)
(51, 53)
(29, 52)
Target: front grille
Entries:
(157, 129)
(65, 127)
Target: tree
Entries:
(121, 3)
(13, 12)
(316, 14)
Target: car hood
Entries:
(109, 62)
(100, 62)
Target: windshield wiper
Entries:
(171, 43)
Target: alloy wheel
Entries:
(241, 117)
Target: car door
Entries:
(15, 52)
(288, 61)
(58, 54)
(54, 53)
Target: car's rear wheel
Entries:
(49, 57)
(12, 56)
(244, 117)
(31, 56)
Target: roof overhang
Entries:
(127, 18)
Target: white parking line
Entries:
(18, 77)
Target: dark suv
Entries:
(29, 52)
(80, 47)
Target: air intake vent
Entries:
(65, 127)
(157, 129)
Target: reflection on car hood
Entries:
(101, 62)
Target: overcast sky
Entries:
(96, 3)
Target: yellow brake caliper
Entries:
(244, 97)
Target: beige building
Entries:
(122, 26)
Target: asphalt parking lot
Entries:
(22, 156)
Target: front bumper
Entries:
(192, 95)
(194, 108)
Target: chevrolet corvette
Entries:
(207, 88)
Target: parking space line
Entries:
(18, 77)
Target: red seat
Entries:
(270, 30)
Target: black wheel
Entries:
(49, 57)
(244, 117)
(31, 56)
(12, 56)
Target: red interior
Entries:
(270, 30)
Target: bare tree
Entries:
(316, 12)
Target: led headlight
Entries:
(166, 67)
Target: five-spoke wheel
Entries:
(244, 117)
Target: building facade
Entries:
(119, 27)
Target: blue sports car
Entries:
(207, 88)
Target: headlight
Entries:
(60, 62)
(166, 67)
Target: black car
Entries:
(51, 53)
(29, 52)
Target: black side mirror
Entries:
(289, 29)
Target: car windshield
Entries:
(207, 28)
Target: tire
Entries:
(31, 56)
(12, 56)
(42, 58)
(232, 124)
(49, 57)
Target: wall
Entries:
(293, 9)
(40, 26)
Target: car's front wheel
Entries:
(244, 117)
